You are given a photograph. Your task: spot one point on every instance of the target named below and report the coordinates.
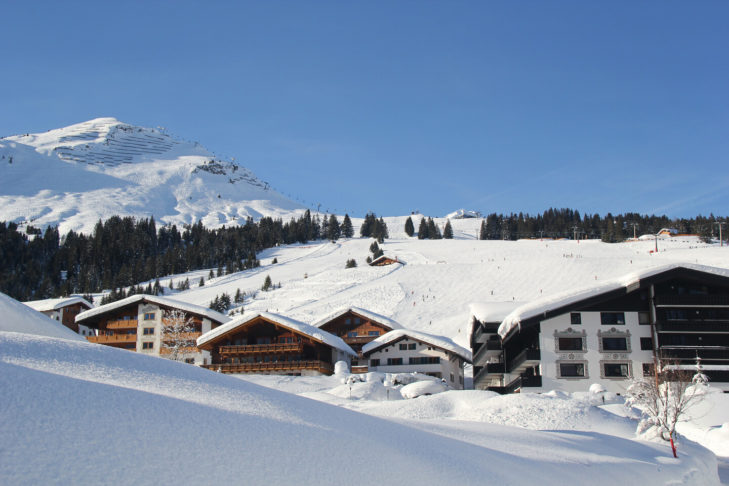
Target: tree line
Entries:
(123, 251)
(569, 223)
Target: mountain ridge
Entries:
(75, 175)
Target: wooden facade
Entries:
(141, 323)
(356, 329)
(263, 345)
(384, 260)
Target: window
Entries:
(616, 370)
(614, 344)
(403, 347)
(453, 378)
(575, 318)
(148, 331)
(374, 363)
(569, 344)
(647, 369)
(412, 346)
(612, 318)
(190, 360)
(149, 316)
(424, 360)
(644, 318)
(394, 361)
(646, 344)
(352, 334)
(348, 321)
(147, 345)
(572, 370)
(373, 333)
(357, 320)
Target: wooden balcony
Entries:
(359, 339)
(183, 336)
(262, 348)
(122, 324)
(186, 350)
(113, 339)
(273, 367)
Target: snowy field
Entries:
(78, 413)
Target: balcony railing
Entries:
(113, 339)
(359, 339)
(262, 348)
(122, 324)
(692, 300)
(489, 348)
(693, 326)
(522, 381)
(523, 357)
(688, 352)
(183, 336)
(489, 369)
(274, 367)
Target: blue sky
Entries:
(400, 106)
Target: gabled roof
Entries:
(562, 301)
(493, 311)
(385, 257)
(153, 299)
(440, 342)
(46, 305)
(369, 315)
(296, 326)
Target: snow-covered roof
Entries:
(437, 341)
(46, 305)
(556, 301)
(385, 257)
(493, 311)
(297, 326)
(372, 316)
(154, 299)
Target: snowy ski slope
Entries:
(433, 290)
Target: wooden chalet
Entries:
(357, 327)
(385, 260)
(273, 344)
(63, 310)
(140, 322)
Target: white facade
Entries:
(149, 334)
(409, 355)
(601, 359)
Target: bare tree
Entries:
(664, 399)
(177, 334)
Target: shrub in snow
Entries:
(664, 400)
(597, 388)
(419, 388)
(341, 368)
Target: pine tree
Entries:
(267, 284)
(347, 229)
(423, 229)
(333, 230)
(351, 263)
(448, 231)
(201, 283)
(409, 228)
(482, 235)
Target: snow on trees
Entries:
(178, 334)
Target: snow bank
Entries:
(421, 388)
(125, 418)
(17, 317)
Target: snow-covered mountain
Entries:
(76, 175)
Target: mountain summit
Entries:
(76, 175)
